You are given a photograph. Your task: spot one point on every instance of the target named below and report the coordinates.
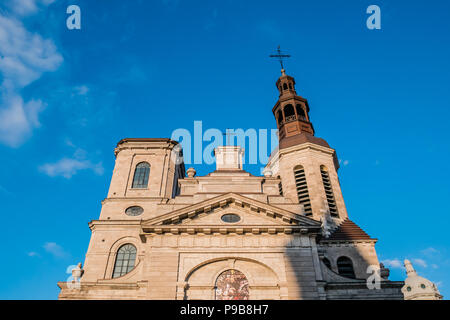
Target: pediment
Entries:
(206, 215)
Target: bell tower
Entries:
(291, 111)
(305, 163)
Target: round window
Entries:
(409, 289)
(134, 211)
(231, 218)
(422, 286)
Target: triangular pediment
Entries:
(208, 214)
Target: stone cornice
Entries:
(145, 144)
(224, 230)
(160, 200)
(303, 146)
(341, 243)
(282, 215)
(108, 223)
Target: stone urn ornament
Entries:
(77, 273)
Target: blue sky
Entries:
(145, 68)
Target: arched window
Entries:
(300, 112)
(125, 260)
(345, 267)
(290, 85)
(232, 285)
(285, 87)
(302, 189)
(289, 113)
(327, 263)
(141, 175)
(280, 117)
(329, 191)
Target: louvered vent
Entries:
(280, 189)
(302, 189)
(329, 191)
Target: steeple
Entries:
(292, 114)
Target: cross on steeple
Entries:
(280, 56)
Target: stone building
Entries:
(165, 233)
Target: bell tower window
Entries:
(289, 113)
(302, 189)
(300, 112)
(329, 191)
(280, 117)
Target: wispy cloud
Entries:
(429, 252)
(55, 249)
(33, 254)
(420, 262)
(80, 90)
(68, 167)
(26, 7)
(24, 57)
(4, 190)
(393, 263)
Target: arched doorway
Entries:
(232, 285)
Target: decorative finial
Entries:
(280, 57)
(409, 267)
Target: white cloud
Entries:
(24, 57)
(68, 167)
(429, 251)
(393, 263)
(81, 90)
(19, 119)
(55, 249)
(33, 254)
(420, 262)
(27, 7)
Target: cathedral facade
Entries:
(165, 233)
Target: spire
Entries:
(409, 267)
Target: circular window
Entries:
(409, 289)
(231, 218)
(134, 211)
(422, 286)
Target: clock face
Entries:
(134, 211)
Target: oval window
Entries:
(231, 218)
(134, 211)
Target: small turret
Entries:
(417, 287)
